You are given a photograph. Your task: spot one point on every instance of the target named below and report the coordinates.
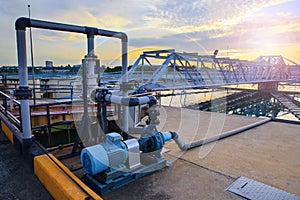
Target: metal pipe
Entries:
(25, 119)
(21, 47)
(130, 101)
(22, 23)
(23, 81)
(90, 40)
(124, 83)
(126, 102)
(185, 147)
(10, 98)
(124, 56)
(90, 45)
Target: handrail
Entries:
(55, 103)
(7, 96)
(7, 113)
(11, 115)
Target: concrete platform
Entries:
(17, 180)
(183, 180)
(269, 153)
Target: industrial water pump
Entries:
(118, 155)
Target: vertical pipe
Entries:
(143, 70)
(124, 59)
(124, 83)
(103, 118)
(85, 126)
(90, 44)
(21, 47)
(84, 86)
(23, 78)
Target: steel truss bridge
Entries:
(168, 69)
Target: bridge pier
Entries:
(268, 86)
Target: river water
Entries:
(189, 97)
(183, 99)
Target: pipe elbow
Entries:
(180, 144)
(184, 148)
(152, 100)
(174, 134)
(21, 23)
(124, 37)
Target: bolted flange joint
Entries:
(23, 92)
(100, 95)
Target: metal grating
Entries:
(251, 189)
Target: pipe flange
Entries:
(23, 92)
(100, 95)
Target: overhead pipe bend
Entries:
(185, 147)
(22, 23)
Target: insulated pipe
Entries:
(22, 23)
(130, 101)
(23, 80)
(185, 147)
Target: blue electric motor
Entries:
(113, 153)
(98, 158)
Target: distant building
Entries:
(49, 63)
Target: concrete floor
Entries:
(269, 153)
(183, 180)
(17, 180)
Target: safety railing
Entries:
(48, 110)
(11, 108)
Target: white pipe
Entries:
(185, 147)
(129, 101)
(22, 23)
(25, 116)
(124, 82)
(23, 80)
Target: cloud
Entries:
(185, 25)
(216, 14)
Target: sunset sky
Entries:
(242, 29)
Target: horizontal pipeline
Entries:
(185, 147)
(130, 101)
(23, 22)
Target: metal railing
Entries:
(11, 108)
(49, 125)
